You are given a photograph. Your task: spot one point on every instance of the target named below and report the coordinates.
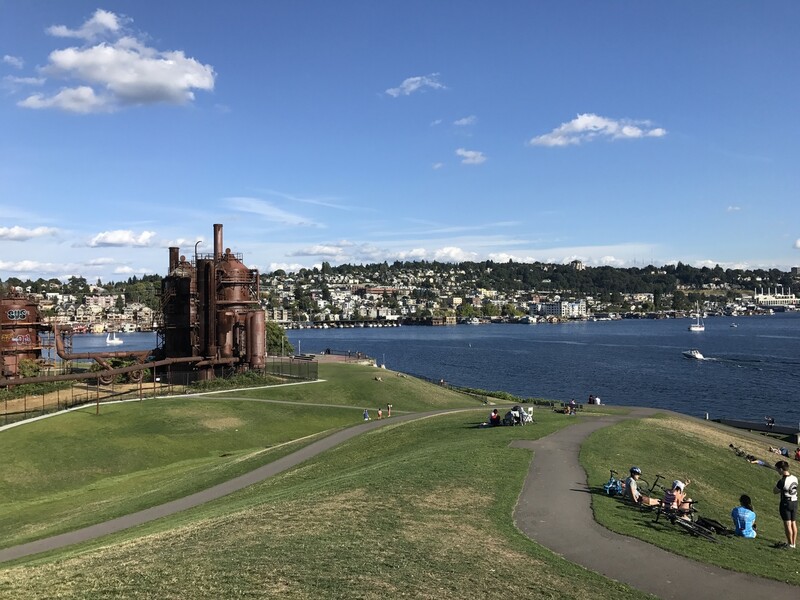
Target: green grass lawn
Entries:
(420, 509)
(355, 385)
(682, 448)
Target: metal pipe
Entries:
(217, 241)
(173, 258)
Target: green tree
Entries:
(277, 342)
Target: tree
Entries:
(277, 342)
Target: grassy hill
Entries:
(420, 509)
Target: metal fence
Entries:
(162, 381)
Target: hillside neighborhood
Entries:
(440, 294)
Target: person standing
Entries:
(366, 414)
(380, 413)
(787, 488)
(744, 518)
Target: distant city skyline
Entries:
(615, 133)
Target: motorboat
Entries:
(694, 353)
(698, 324)
(112, 340)
(734, 325)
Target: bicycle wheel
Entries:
(695, 530)
(643, 486)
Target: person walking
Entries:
(366, 415)
(787, 488)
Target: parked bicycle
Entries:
(685, 519)
(614, 486)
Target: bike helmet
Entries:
(678, 485)
(636, 471)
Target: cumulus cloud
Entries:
(453, 254)
(102, 22)
(329, 250)
(118, 72)
(414, 84)
(30, 266)
(470, 120)
(14, 61)
(22, 234)
(797, 244)
(122, 237)
(125, 270)
(270, 212)
(470, 157)
(79, 100)
(588, 127)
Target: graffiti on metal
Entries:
(16, 339)
(17, 314)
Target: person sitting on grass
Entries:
(675, 497)
(494, 418)
(632, 493)
(744, 518)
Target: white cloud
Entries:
(30, 266)
(588, 127)
(797, 244)
(471, 157)
(10, 80)
(288, 267)
(436, 166)
(413, 84)
(122, 237)
(117, 73)
(14, 61)
(124, 270)
(453, 254)
(470, 120)
(436, 122)
(99, 262)
(329, 250)
(79, 100)
(270, 212)
(102, 22)
(21, 234)
(734, 208)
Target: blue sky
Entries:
(621, 133)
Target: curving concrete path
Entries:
(554, 509)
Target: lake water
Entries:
(750, 371)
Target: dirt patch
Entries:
(222, 423)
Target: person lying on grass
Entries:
(632, 493)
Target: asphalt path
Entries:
(554, 509)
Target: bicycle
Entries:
(685, 519)
(614, 486)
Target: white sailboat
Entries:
(111, 339)
(698, 324)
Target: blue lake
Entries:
(750, 371)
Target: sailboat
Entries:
(111, 339)
(698, 324)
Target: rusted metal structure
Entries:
(20, 324)
(211, 310)
(212, 320)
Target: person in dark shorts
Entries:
(787, 488)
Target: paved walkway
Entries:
(554, 509)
